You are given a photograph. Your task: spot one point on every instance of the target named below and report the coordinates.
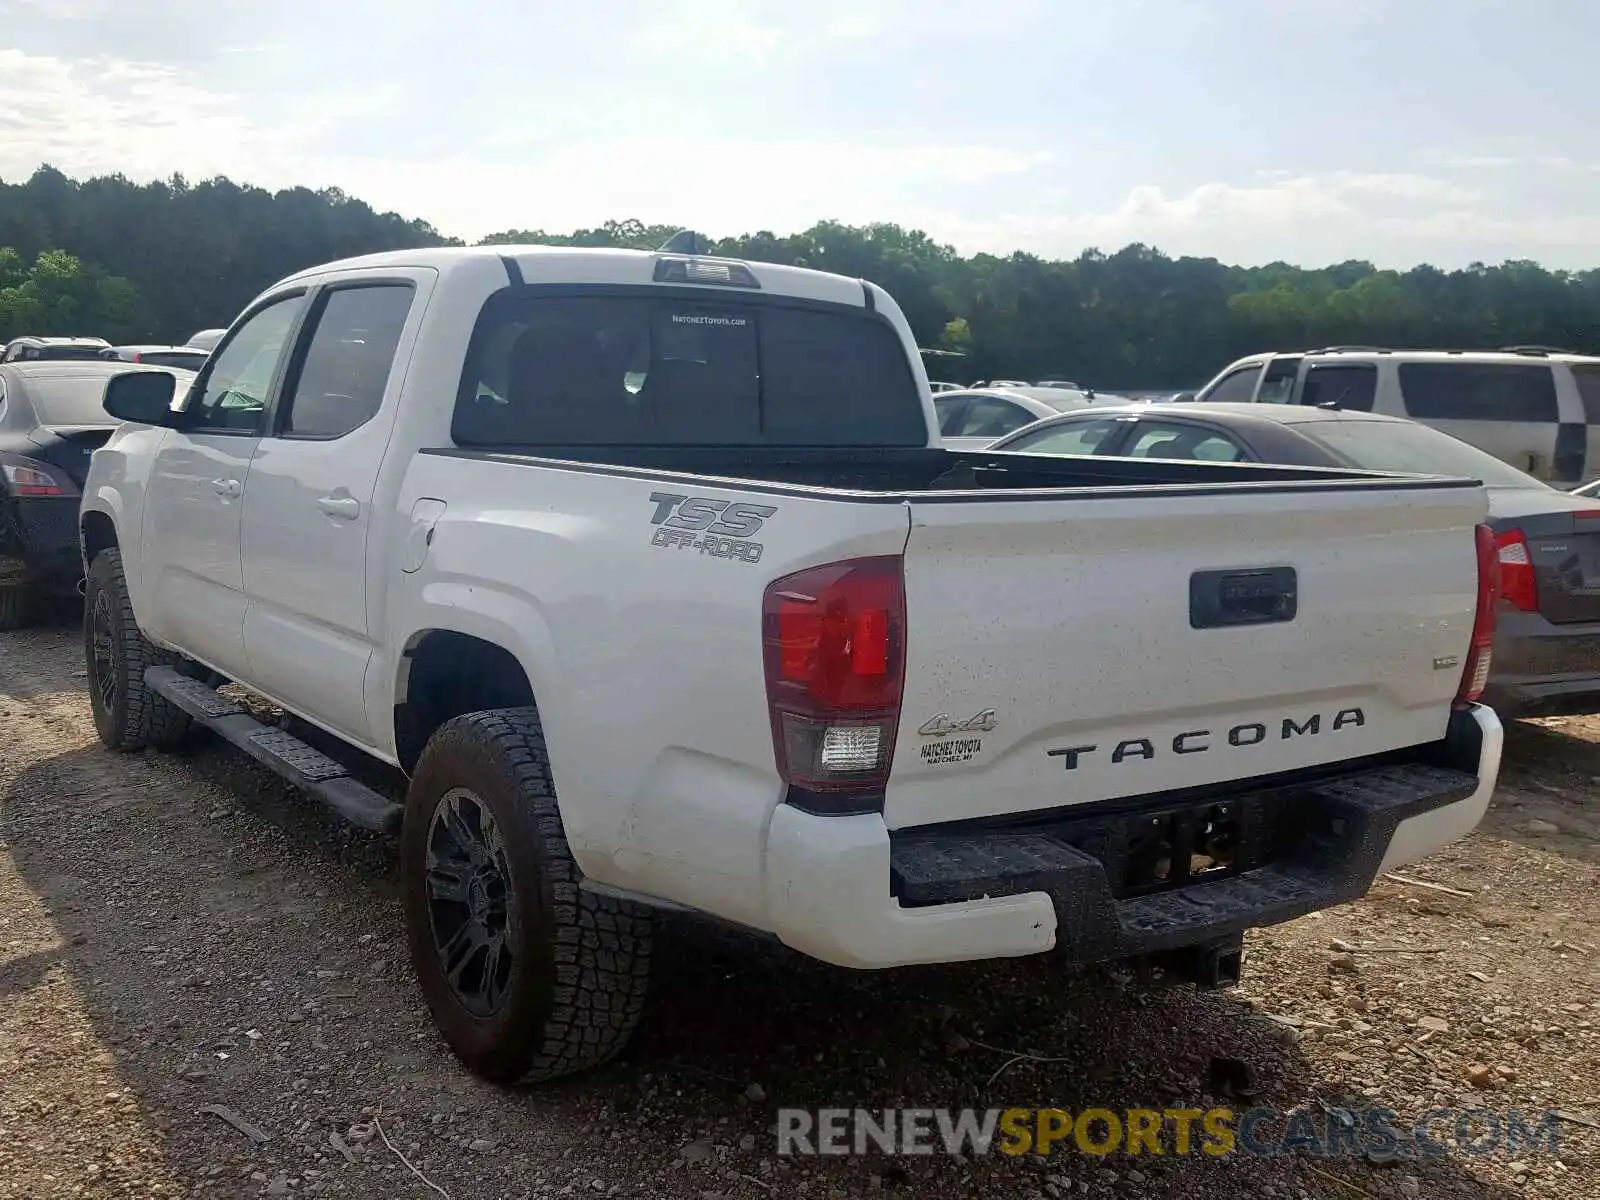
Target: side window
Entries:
(235, 396)
(1277, 385)
(1078, 437)
(1468, 391)
(1234, 388)
(1172, 439)
(1587, 377)
(340, 383)
(991, 417)
(948, 410)
(1351, 386)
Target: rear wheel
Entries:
(15, 609)
(127, 714)
(528, 977)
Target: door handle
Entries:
(1218, 599)
(227, 487)
(341, 508)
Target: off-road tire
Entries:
(581, 961)
(15, 609)
(135, 717)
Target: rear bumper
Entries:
(1544, 670)
(849, 891)
(39, 542)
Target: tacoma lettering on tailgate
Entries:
(1200, 741)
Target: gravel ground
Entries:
(181, 933)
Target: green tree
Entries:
(58, 294)
(156, 261)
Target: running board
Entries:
(306, 767)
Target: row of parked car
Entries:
(189, 356)
(51, 421)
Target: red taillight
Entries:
(138, 356)
(31, 480)
(1475, 675)
(834, 640)
(1517, 583)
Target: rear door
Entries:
(1096, 646)
(1507, 409)
(1277, 382)
(1352, 387)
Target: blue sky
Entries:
(1444, 131)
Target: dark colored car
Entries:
(51, 421)
(52, 349)
(1547, 645)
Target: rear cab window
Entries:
(656, 366)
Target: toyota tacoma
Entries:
(649, 575)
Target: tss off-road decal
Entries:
(720, 528)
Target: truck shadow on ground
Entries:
(232, 944)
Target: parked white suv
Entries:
(650, 574)
(1535, 408)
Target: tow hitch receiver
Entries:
(1209, 965)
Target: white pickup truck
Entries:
(648, 573)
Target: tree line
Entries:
(158, 261)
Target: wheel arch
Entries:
(445, 672)
(97, 532)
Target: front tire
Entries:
(528, 977)
(127, 714)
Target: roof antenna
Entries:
(685, 241)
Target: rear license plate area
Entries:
(1177, 847)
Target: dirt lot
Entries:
(180, 932)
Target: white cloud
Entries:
(562, 165)
(102, 115)
(711, 30)
(54, 10)
(855, 25)
(720, 186)
(1307, 217)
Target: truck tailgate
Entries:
(1066, 650)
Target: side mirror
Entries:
(1183, 398)
(143, 397)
